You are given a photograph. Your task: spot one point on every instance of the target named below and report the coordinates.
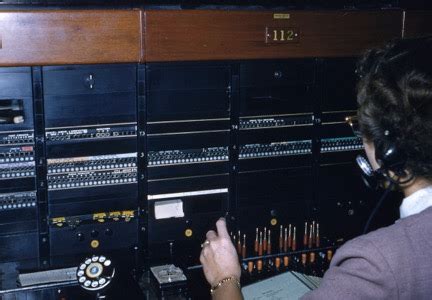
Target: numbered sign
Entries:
(281, 35)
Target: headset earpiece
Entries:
(392, 166)
(390, 158)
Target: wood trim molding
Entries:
(220, 35)
(69, 37)
(52, 37)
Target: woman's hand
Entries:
(218, 256)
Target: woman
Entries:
(395, 121)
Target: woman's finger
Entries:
(222, 230)
(211, 235)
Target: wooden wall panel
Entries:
(417, 23)
(70, 37)
(114, 36)
(219, 35)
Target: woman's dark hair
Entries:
(395, 100)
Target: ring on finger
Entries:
(206, 243)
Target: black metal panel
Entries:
(142, 164)
(19, 246)
(187, 76)
(16, 99)
(15, 82)
(276, 88)
(75, 201)
(109, 236)
(339, 85)
(18, 220)
(341, 196)
(344, 201)
(202, 213)
(187, 91)
(277, 73)
(18, 196)
(337, 141)
(195, 126)
(265, 141)
(273, 198)
(280, 186)
(188, 151)
(183, 141)
(41, 167)
(179, 185)
(89, 95)
(204, 200)
(274, 101)
(91, 148)
(275, 147)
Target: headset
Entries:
(392, 167)
(392, 162)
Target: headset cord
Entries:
(380, 202)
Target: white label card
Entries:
(169, 209)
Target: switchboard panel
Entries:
(188, 152)
(91, 146)
(336, 194)
(18, 195)
(138, 162)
